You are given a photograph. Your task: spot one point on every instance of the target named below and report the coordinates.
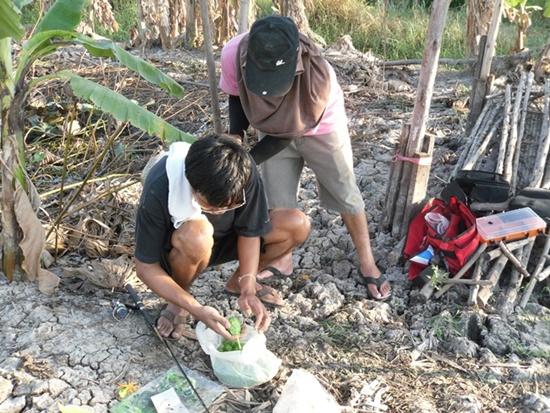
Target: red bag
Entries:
(456, 243)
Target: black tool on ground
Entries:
(153, 327)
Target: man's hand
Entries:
(213, 320)
(251, 304)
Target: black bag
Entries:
(537, 199)
(483, 186)
(480, 190)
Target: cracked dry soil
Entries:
(403, 356)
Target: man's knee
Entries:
(194, 239)
(292, 221)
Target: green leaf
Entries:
(41, 44)
(63, 15)
(123, 109)
(106, 48)
(546, 12)
(235, 328)
(10, 18)
(44, 43)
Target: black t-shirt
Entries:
(154, 227)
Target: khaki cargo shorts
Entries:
(330, 158)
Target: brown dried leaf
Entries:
(34, 237)
(48, 282)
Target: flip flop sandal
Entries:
(373, 281)
(277, 275)
(176, 320)
(261, 293)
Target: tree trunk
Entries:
(244, 13)
(190, 22)
(478, 17)
(296, 10)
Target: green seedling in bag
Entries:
(235, 329)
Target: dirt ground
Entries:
(402, 356)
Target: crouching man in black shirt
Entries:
(203, 204)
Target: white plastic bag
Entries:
(251, 366)
(303, 393)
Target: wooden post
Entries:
(396, 176)
(427, 76)
(412, 186)
(418, 183)
(482, 81)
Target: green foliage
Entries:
(235, 329)
(445, 325)
(438, 276)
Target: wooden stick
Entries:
(466, 281)
(517, 263)
(514, 130)
(426, 291)
(479, 251)
(396, 253)
(470, 163)
(466, 149)
(517, 150)
(512, 246)
(540, 164)
(544, 257)
(494, 274)
(505, 130)
(496, 106)
(476, 276)
(506, 305)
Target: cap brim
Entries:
(269, 83)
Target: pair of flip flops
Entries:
(366, 281)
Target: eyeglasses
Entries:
(215, 210)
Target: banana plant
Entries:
(23, 237)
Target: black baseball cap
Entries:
(272, 55)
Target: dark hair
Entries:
(219, 168)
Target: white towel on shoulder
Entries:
(182, 204)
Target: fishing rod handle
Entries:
(140, 305)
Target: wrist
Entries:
(245, 276)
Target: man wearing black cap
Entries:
(279, 83)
